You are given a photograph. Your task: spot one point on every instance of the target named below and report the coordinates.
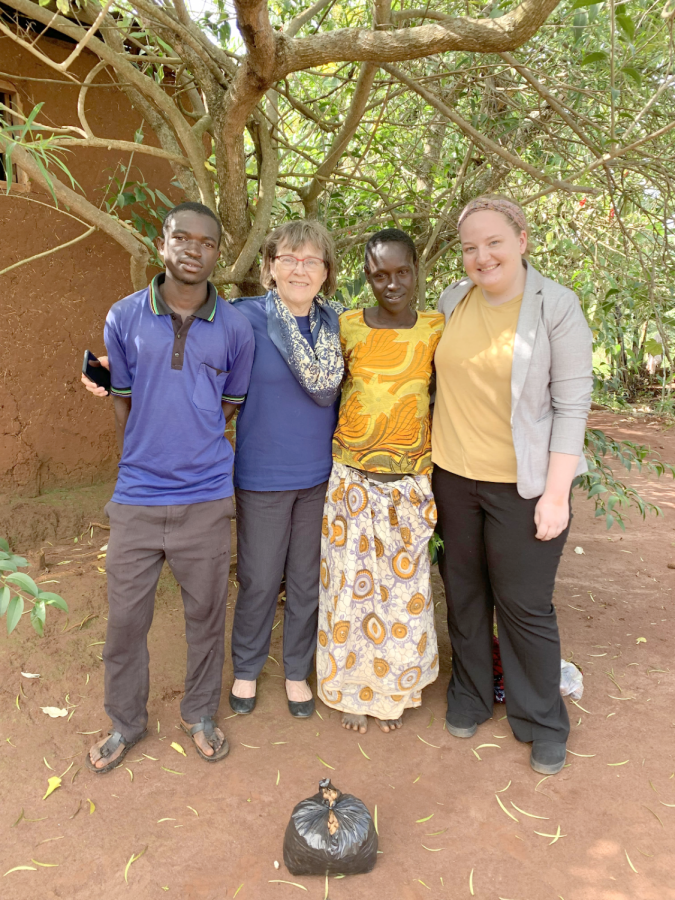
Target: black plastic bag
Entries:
(330, 833)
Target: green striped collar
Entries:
(159, 307)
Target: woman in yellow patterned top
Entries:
(377, 644)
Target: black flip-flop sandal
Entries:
(107, 749)
(207, 725)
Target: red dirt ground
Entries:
(215, 831)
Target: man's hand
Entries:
(91, 386)
(551, 515)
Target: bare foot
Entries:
(355, 723)
(298, 691)
(243, 689)
(200, 738)
(100, 761)
(387, 725)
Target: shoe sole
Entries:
(461, 732)
(543, 769)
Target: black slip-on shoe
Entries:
(460, 726)
(301, 709)
(548, 757)
(242, 705)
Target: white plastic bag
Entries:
(571, 680)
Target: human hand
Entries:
(91, 386)
(551, 515)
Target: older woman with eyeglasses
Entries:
(283, 458)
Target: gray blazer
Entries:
(551, 378)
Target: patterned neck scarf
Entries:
(318, 370)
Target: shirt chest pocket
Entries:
(208, 392)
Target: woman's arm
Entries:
(571, 384)
(552, 512)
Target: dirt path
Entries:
(213, 831)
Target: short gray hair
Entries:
(295, 234)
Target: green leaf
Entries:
(14, 613)
(39, 611)
(25, 582)
(37, 624)
(582, 4)
(654, 348)
(4, 545)
(53, 600)
(4, 599)
(165, 200)
(595, 56)
(7, 565)
(627, 25)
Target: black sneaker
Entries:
(548, 757)
(460, 726)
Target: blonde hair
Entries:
(295, 234)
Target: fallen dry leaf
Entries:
(53, 783)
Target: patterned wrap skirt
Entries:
(377, 643)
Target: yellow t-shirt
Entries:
(472, 417)
(384, 422)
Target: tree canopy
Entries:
(368, 114)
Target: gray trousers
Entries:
(277, 532)
(195, 541)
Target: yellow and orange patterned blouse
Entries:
(384, 423)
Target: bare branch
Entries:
(362, 45)
(297, 23)
(88, 212)
(145, 85)
(23, 262)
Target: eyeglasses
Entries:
(311, 264)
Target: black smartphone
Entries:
(94, 371)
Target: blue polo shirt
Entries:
(283, 436)
(177, 374)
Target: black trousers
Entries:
(277, 532)
(491, 559)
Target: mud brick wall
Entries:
(52, 433)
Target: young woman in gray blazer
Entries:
(514, 378)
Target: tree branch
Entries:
(362, 45)
(484, 141)
(311, 191)
(88, 212)
(298, 22)
(145, 85)
(23, 262)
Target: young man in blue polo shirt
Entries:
(180, 360)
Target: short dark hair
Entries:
(191, 206)
(391, 236)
